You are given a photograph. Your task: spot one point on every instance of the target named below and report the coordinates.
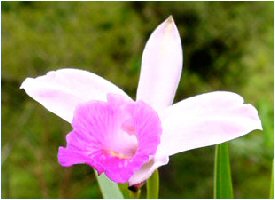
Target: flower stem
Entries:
(271, 193)
(152, 186)
(134, 195)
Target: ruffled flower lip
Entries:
(116, 137)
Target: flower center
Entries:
(119, 155)
(124, 143)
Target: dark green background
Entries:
(227, 46)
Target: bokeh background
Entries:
(227, 46)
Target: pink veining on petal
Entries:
(116, 137)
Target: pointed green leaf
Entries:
(108, 188)
(152, 186)
(222, 175)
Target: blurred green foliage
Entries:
(227, 46)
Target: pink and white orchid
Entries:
(126, 139)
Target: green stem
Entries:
(152, 186)
(222, 175)
(271, 193)
(124, 190)
(134, 195)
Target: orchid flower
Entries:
(128, 140)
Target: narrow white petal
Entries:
(62, 90)
(161, 66)
(207, 119)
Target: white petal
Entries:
(62, 90)
(161, 66)
(207, 119)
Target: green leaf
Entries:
(271, 193)
(108, 188)
(152, 186)
(222, 175)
